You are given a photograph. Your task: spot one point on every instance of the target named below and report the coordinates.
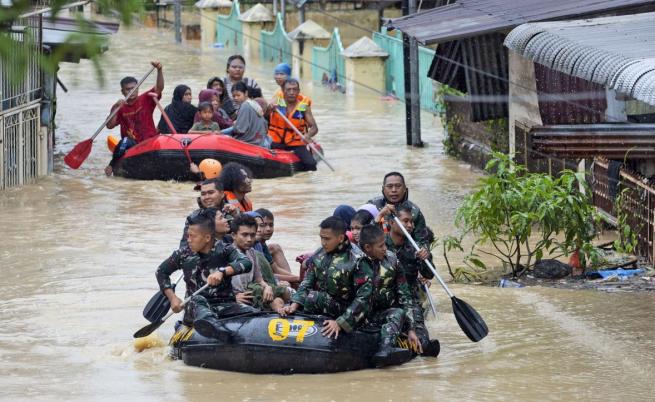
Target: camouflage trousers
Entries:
(318, 302)
(199, 307)
(419, 326)
(258, 294)
(391, 323)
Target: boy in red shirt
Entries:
(135, 115)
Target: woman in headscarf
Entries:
(345, 212)
(220, 117)
(218, 85)
(180, 111)
(236, 69)
(250, 125)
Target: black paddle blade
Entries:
(469, 320)
(148, 329)
(157, 307)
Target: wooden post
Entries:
(283, 10)
(412, 88)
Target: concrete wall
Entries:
(368, 71)
(523, 99)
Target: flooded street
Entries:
(79, 251)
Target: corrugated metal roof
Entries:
(616, 52)
(475, 17)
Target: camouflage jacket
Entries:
(197, 267)
(410, 264)
(420, 233)
(339, 275)
(390, 287)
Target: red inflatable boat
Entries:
(164, 157)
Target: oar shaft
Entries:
(169, 123)
(113, 112)
(308, 142)
(427, 262)
(430, 300)
(184, 302)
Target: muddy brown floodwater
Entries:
(79, 251)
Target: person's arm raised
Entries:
(159, 86)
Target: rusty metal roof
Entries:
(615, 52)
(612, 141)
(467, 18)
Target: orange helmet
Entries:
(210, 168)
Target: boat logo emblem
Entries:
(186, 141)
(280, 329)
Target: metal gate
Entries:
(21, 146)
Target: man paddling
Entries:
(392, 303)
(299, 112)
(204, 261)
(412, 263)
(134, 115)
(395, 192)
(335, 284)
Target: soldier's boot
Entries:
(432, 348)
(390, 355)
(206, 323)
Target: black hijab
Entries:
(181, 113)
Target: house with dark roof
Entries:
(472, 59)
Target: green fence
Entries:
(228, 28)
(275, 46)
(395, 69)
(329, 61)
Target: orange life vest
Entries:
(244, 206)
(279, 130)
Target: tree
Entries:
(18, 47)
(523, 215)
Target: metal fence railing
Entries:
(638, 203)
(21, 154)
(275, 46)
(395, 69)
(328, 64)
(20, 71)
(228, 28)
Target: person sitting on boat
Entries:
(281, 75)
(181, 112)
(236, 68)
(250, 125)
(204, 261)
(358, 221)
(252, 288)
(335, 284)
(413, 264)
(218, 85)
(237, 182)
(274, 253)
(395, 192)
(218, 115)
(392, 303)
(134, 115)
(206, 123)
(211, 196)
(299, 113)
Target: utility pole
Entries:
(178, 21)
(412, 88)
(283, 10)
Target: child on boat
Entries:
(206, 112)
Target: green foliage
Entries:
(520, 214)
(450, 124)
(628, 240)
(498, 130)
(20, 48)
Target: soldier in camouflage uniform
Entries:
(392, 303)
(335, 285)
(211, 196)
(412, 263)
(395, 192)
(204, 261)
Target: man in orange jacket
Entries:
(299, 113)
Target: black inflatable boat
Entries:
(265, 343)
